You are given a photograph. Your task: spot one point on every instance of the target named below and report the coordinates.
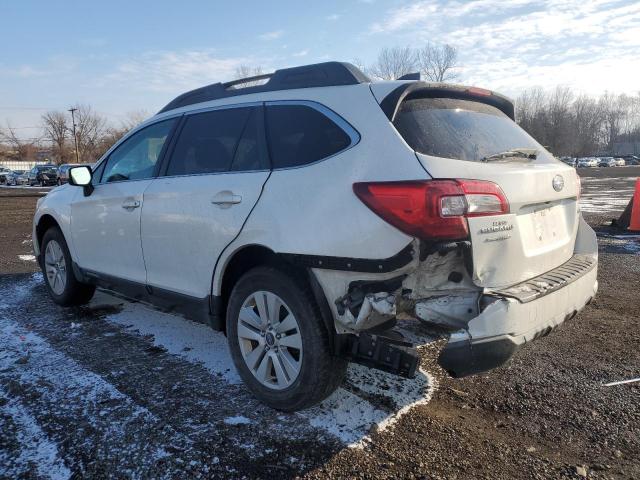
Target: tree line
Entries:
(579, 125)
(569, 124)
(94, 135)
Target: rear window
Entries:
(299, 135)
(459, 129)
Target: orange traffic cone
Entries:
(634, 222)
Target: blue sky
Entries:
(123, 56)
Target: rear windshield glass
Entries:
(459, 129)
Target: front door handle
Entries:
(130, 204)
(226, 198)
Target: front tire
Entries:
(56, 264)
(278, 341)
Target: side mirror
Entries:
(81, 177)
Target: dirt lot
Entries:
(116, 388)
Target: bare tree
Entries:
(56, 131)
(20, 149)
(437, 63)
(112, 134)
(587, 122)
(90, 128)
(613, 111)
(357, 61)
(559, 121)
(394, 62)
(245, 71)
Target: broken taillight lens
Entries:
(433, 209)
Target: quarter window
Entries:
(211, 142)
(299, 135)
(136, 157)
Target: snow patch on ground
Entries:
(63, 382)
(27, 258)
(192, 341)
(237, 420)
(621, 243)
(36, 447)
(598, 196)
(20, 291)
(350, 413)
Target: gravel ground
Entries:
(119, 389)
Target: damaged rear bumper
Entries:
(511, 320)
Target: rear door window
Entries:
(210, 141)
(299, 135)
(459, 129)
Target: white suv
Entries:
(301, 216)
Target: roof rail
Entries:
(307, 76)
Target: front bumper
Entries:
(495, 335)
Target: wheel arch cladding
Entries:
(253, 256)
(45, 223)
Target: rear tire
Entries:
(56, 264)
(283, 338)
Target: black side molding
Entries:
(365, 265)
(197, 309)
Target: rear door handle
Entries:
(130, 204)
(226, 198)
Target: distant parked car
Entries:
(23, 177)
(587, 162)
(569, 161)
(15, 177)
(607, 162)
(632, 159)
(43, 175)
(63, 171)
(620, 162)
(4, 173)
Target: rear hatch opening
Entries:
(498, 214)
(469, 134)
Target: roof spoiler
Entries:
(307, 76)
(391, 103)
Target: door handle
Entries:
(130, 204)
(226, 199)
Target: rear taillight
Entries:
(433, 209)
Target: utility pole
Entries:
(73, 123)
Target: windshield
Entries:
(459, 129)
(48, 169)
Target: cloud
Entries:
(301, 53)
(333, 17)
(177, 71)
(522, 43)
(272, 35)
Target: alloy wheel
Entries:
(270, 340)
(55, 267)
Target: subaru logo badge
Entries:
(558, 183)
